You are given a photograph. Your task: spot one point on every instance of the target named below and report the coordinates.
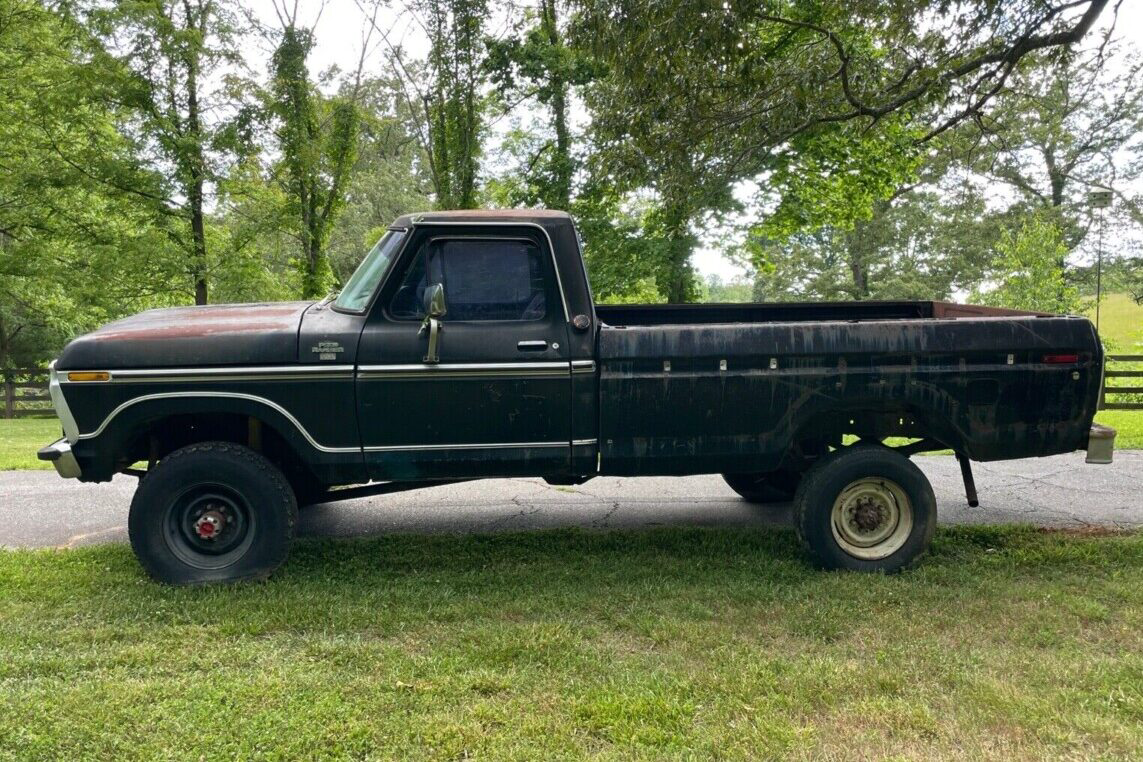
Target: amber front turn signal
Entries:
(89, 375)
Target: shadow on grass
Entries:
(439, 577)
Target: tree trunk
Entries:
(679, 279)
(197, 166)
(4, 349)
(853, 251)
(563, 163)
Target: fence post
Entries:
(9, 397)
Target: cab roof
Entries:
(534, 216)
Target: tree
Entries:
(453, 102)
(445, 92)
(387, 179)
(167, 49)
(1028, 274)
(82, 239)
(924, 242)
(317, 137)
(727, 92)
(539, 65)
(1057, 129)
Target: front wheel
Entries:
(865, 508)
(212, 512)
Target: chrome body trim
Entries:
(302, 430)
(509, 224)
(59, 402)
(583, 366)
(65, 462)
(584, 442)
(470, 446)
(460, 370)
(253, 373)
(228, 395)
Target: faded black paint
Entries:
(948, 379)
(922, 369)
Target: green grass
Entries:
(1006, 643)
(20, 438)
(1128, 425)
(1120, 323)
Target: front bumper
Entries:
(1100, 444)
(60, 455)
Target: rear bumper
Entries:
(59, 454)
(1100, 444)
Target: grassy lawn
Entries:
(1006, 643)
(1128, 425)
(1121, 322)
(21, 437)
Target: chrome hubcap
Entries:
(871, 518)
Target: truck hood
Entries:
(231, 334)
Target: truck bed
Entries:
(790, 312)
(722, 395)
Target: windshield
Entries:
(355, 295)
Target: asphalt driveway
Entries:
(39, 509)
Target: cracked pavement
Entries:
(39, 509)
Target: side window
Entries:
(484, 279)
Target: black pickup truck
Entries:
(467, 345)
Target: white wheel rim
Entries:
(871, 518)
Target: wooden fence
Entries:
(26, 389)
(26, 393)
(1125, 396)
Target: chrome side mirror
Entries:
(435, 308)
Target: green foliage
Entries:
(318, 139)
(736, 290)
(387, 178)
(164, 54)
(454, 103)
(836, 178)
(1064, 127)
(82, 239)
(923, 244)
(1028, 271)
(538, 64)
(824, 105)
(620, 257)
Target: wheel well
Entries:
(162, 436)
(828, 429)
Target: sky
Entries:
(341, 25)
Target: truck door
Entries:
(496, 401)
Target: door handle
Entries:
(532, 346)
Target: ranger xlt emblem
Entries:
(327, 350)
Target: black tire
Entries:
(772, 487)
(872, 489)
(212, 512)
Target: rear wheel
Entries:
(212, 512)
(771, 487)
(865, 508)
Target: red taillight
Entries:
(1061, 359)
